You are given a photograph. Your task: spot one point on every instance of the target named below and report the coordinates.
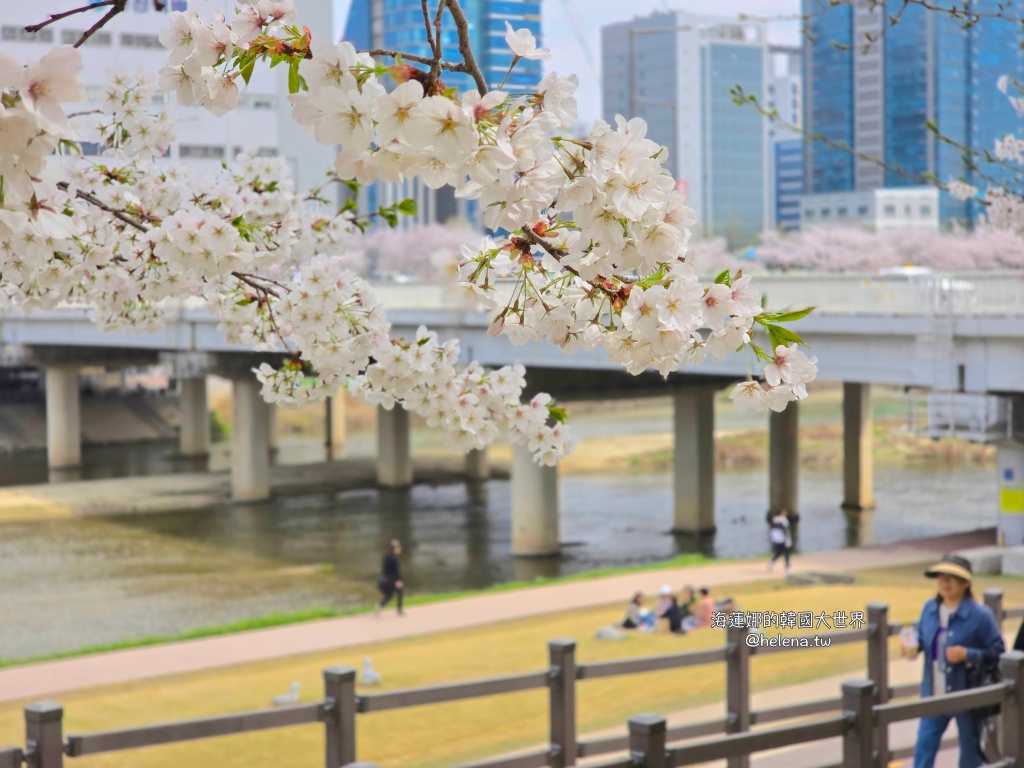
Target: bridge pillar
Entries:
(857, 445)
(535, 514)
(272, 428)
(1010, 461)
(783, 460)
(63, 417)
(250, 441)
(335, 423)
(694, 460)
(477, 466)
(194, 432)
(394, 459)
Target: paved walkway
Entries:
(36, 681)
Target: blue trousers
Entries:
(929, 734)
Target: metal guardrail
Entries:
(863, 702)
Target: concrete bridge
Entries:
(961, 337)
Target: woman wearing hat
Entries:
(958, 635)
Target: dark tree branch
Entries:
(93, 200)
(58, 16)
(116, 9)
(465, 48)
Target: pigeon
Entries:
(370, 676)
(289, 698)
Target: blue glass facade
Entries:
(734, 178)
(828, 92)
(935, 70)
(788, 157)
(906, 96)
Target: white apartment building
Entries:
(886, 209)
(262, 124)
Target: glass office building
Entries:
(928, 68)
(675, 70)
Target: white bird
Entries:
(289, 698)
(370, 676)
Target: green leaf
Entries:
(724, 278)
(244, 302)
(294, 81)
(558, 413)
(787, 317)
(779, 335)
(760, 352)
(247, 69)
(407, 207)
(389, 216)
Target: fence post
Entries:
(44, 735)
(737, 687)
(562, 699)
(858, 746)
(994, 600)
(647, 735)
(878, 668)
(340, 716)
(1011, 666)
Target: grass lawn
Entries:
(449, 734)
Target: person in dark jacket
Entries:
(390, 583)
(959, 636)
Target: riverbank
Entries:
(319, 612)
(462, 639)
(203, 490)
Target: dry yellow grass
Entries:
(446, 735)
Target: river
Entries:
(73, 583)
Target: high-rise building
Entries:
(879, 98)
(397, 25)
(675, 70)
(785, 97)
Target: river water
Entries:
(72, 583)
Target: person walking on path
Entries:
(780, 538)
(391, 584)
(960, 639)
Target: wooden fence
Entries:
(861, 716)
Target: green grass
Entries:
(318, 612)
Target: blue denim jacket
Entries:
(971, 625)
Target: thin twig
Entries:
(93, 200)
(397, 54)
(426, 24)
(116, 9)
(465, 47)
(58, 16)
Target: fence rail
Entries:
(864, 710)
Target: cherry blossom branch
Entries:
(559, 253)
(115, 212)
(465, 46)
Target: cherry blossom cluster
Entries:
(126, 232)
(597, 254)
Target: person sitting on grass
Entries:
(688, 604)
(637, 614)
(705, 609)
(673, 617)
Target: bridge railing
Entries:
(47, 746)
(990, 293)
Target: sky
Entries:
(572, 29)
